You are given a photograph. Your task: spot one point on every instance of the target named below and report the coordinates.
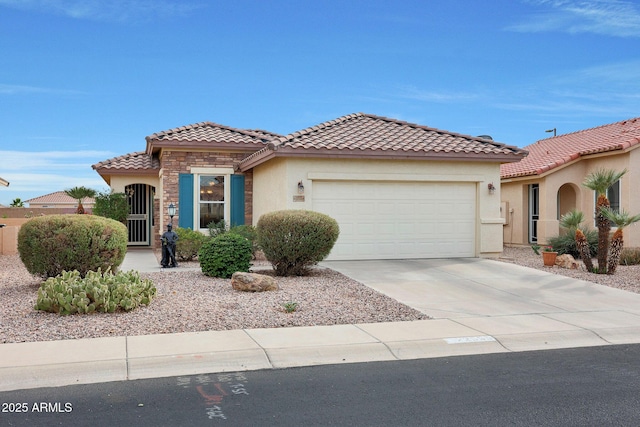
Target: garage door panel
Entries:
(386, 220)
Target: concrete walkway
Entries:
(478, 306)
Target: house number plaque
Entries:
(298, 198)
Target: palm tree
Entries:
(80, 193)
(599, 181)
(621, 220)
(571, 221)
(17, 203)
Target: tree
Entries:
(80, 193)
(621, 220)
(112, 205)
(17, 203)
(571, 221)
(600, 181)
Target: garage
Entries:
(398, 220)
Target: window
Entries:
(613, 194)
(534, 212)
(212, 199)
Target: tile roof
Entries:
(366, 135)
(551, 153)
(209, 134)
(59, 197)
(138, 161)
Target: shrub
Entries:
(216, 228)
(225, 254)
(189, 243)
(51, 244)
(294, 240)
(249, 233)
(630, 256)
(112, 205)
(69, 293)
(566, 243)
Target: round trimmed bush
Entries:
(49, 245)
(294, 240)
(189, 243)
(223, 255)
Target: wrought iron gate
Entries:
(139, 210)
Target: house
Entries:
(539, 189)
(397, 190)
(60, 199)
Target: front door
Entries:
(139, 214)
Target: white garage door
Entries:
(396, 220)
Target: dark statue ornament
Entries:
(169, 239)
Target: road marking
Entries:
(465, 340)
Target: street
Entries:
(585, 386)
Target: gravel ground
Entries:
(189, 301)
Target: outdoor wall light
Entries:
(300, 188)
(491, 187)
(172, 212)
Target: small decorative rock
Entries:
(252, 282)
(566, 261)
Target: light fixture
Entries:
(300, 187)
(491, 187)
(551, 130)
(172, 212)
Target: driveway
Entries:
(501, 299)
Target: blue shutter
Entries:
(185, 200)
(237, 200)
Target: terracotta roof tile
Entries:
(551, 153)
(138, 161)
(365, 135)
(59, 197)
(207, 132)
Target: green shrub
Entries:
(51, 244)
(217, 228)
(565, 243)
(294, 240)
(225, 254)
(112, 205)
(69, 293)
(249, 233)
(630, 256)
(189, 243)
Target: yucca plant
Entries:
(571, 221)
(621, 220)
(80, 193)
(599, 181)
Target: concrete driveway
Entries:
(506, 301)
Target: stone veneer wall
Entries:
(174, 162)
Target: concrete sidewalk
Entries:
(479, 306)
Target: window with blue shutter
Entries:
(185, 200)
(237, 200)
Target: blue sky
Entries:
(85, 80)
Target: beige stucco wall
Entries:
(276, 186)
(515, 193)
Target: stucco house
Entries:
(60, 199)
(397, 189)
(539, 189)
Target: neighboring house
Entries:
(4, 183)
(546, 184)
(59, 199)
(397, 190)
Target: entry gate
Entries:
(139, 209)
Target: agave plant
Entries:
(571, 221)
(80, 193)
(599, 181)
(621, 220)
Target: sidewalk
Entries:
(479, 306)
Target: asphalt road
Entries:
(597, 386)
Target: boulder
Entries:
(253, 282)
(566, 261)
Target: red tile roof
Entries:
(210, 135)
(366, 135)
(551, 153)
(139, 161)
(59, 198)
